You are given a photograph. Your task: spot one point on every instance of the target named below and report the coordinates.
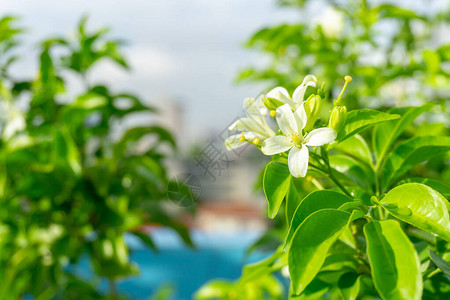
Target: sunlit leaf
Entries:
(276, 184)
(357, 147)
(394, 263)
(310, 245)
(411, 152)
(313, 202)
(361, 119)
(385, 134)
(420, 206)
(349, 284)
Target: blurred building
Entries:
(228, 199)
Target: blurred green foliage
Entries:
(71, 187)
(395, 54)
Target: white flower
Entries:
(11, 120)
(281, 94)
(254, 127)
(332, 22)
(292, 124)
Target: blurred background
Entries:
(114, 179)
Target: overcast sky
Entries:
(186, 50)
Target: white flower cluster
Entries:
(291, 119)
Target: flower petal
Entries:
(299, 93)
(262, 108)
(279, 93)
(276, 144)
(234, 142)
(286, 120)
(247, 124)
(300, 118)
(320, 136)
(233, 126)
(298, 161)
(255, 109)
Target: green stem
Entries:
(340, 185)
(113, 289)
(377, 184)
(331, 176)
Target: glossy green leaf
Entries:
(276, 184)
(420, 206)
(313, 202)
(349, 285)
(385, 134)
(410, 153)
(394, 262)
(266, 266)
(293, 198)
(353, 171)
(356, 146)
(310, 245)
(440, 187)
(315, 290)
(440, 263)
(361, 119)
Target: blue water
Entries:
(217, 256)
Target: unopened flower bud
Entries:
(313, 105)
(321, 92)
(272, 103)
(338, 117)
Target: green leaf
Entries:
(349, 284)
(310, 245)
(66, 151)
(444, 52)
(262, 268)
(90, 101)
(361, 119)
(310, 204)
(420, 206)
(356, 147)
(440, 187)
(146, 239)
(410, 153)
(440, 263)
(395, 12)
(293, 198)
(275, 184)
(216, 289)
(315, 290)
(353, 171)
(394, 262)
(385, 134)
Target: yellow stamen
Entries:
(273, 113)
(295, 138)
(255, 141)
(242, 138)
(348, 78)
